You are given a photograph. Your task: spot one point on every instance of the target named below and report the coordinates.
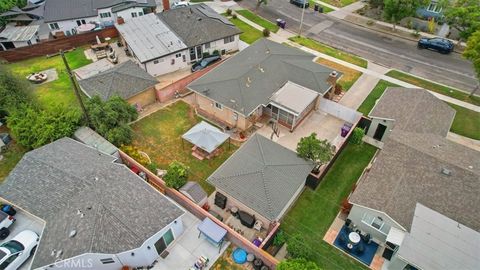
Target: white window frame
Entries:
(370, 220)
(134, 14)
(218, 106)
(434, 7)
(178, 55)
(229, 39)
(105, 15)
(54, 26)
(156, 62)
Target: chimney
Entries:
(332, 78)
(166, 5)
(120, 20)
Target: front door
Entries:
(379, 132)
(199, 52)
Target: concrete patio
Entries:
(186, 249)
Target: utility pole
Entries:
(75, 88)
(301, 20)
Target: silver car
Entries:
(15, 252)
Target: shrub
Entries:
(297, 264)
(234, 16)
(279, 238)
(266, 32)
(229, 12)
(416, 33)
(177, 175)
(133, 152)
(153, 167)
(297, 248)
(357, 135)
(215, 52)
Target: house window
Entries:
(434, 7)
(158, 61)
(207, 45)
(218, 106)
(105, 15)
(172, 62)
(184, 58)
(223, 52)
(229, 39)
(107, 261)
(140, 13)
(193, 56)
(80, 22)
(134, 14)
(54, 26)
(376, 222)
(29, 43)
(178, 55)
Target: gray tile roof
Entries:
(437, 242)
(198, 24)
(252, 76)
(58, 180)
(59, 10)
(125, 80)
(412, 110)
(263, 175)
(195, 191)
(91, 138)
(408, 170)
(18, 33)
(149, 37)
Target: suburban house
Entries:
(97, 213)
(66, 15)
(265, 79)
(202, 29)
(171, 40)
(419, 198)
(23, 26)
(262, 178)
(125, 80)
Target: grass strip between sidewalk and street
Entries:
(250, 34)
(339, 3)
(319, 47)
(437, 88)
(325, 8)
(258, 20)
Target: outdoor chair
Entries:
(360, 248)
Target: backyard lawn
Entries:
(249, 34)
(159, 135)
(315, 211)
(466, 122)
(314, 45)
(444, 90)
(258, 20)
(339, 3)
(350, 76)
(58, 92)
(376, 93)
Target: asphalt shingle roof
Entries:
(198, 24)
(263, 175)
(65, 179)
(252, 76)
(408, 169)
(125, 80)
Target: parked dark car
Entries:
(300, 3)
(439, 44)
(205, 62)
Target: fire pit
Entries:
(37, 77)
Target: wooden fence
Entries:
(55, 45)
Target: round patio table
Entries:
(354, 237)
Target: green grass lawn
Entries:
(466, 122)
(258, 20)
(159, 135)
(249, 34)
(349, 77)
(444, 90)
(376, 93)
(314, 45)
(315, 211)
(325, 8)
(339, 3)
(58, 92)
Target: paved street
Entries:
(382, 49)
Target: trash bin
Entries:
(282, 24)
(278, 21)
(320, 9)
(316, 7)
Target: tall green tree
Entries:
(472, 53)
(110, 118)
(8, 4)
(396, 10)
(13, 91)
(297, 264)
(464, 16)
(318, 151)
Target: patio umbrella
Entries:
(86, 28)
(205, 136)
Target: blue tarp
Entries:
(212, 230)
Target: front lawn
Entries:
(444, 90)
(466, 122)
(339, 3)
(58, 92)
(317, 46)
(250, 34)
(371, 99)
(314, 212)
(326, 9)
(350, 76)
(159, 135)
(258, 20)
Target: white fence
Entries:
(339, 111)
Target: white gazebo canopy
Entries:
(205, 136)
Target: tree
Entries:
(297, 264)
(472, 53)
(259, 3)
(5, 5)
(177, 175)
(357, 135)
(33, 128)
(110, 119)
(318, 151)
(395, 10)
(14, 92)
(279, 239)
(297, 248)
(464, 16)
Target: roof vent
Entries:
(446, 171)
(470, 167)
(199, 19)
(261, 69)
(72, 233)
(267, 51)
(80, 213)
(59, 253)
(53, 253)
(249, 80)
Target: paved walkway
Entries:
(347, 10)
